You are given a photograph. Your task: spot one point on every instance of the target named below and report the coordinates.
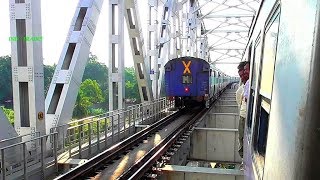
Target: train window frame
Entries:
(251, 55)
(255, 72)
(262, 104)
(257, 55)
(271, 23)
(189, 81)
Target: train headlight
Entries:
(186, 89)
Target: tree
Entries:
(89, 94)
(48, 71)
(131, 86)
(99, 72)
(96, 71)
(9, 113)
(5, 79)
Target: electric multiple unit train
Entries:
(193, 81)
(282, 134)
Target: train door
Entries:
(202, 80)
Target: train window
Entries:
(256, 62)
(254, 75)
(261, 126)
(264, 86)
(269, 57)
(186, 79)
(251, 90)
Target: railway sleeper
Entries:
(151, 176)
(170, 153)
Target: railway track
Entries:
(143, 165)
(98, 163)
(96, 167)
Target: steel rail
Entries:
(108, 155)
(137, 170)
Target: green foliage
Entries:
(132, 91)
(96, 71)
(97, 111)
(9, 113)
(89, 94)
(48, 74)
(99, 72)
(93, 96)
(5, 79)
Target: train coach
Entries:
(193, 81)
(282, 132)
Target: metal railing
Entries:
(25, 160)
(90, 135)
(18, 139)
(83, 135)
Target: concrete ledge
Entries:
(216, 129)
(215, 144)
(191, 169)
(73, 161)
(227, 101)
(187, 172)
(217, 113)
(226, 105)
(141, 125)
(66, 164)
(225, 109)
(222, 120)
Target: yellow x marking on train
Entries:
(186, 67)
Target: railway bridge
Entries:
(151, 139)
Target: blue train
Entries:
(193, 81)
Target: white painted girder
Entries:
(141, 62)
(164, 45)
(6, 129)
(116, 54)
(152, 42)
(67, 78)
(192, 29)
(228, 32)
(27, 66)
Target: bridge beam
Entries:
(116, 54)
(67, 78)
(27, 66)
(141, 62)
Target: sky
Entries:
(56, 19)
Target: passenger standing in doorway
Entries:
(246, 72)
(242, 104)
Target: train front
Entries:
(187, 81)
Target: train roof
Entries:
(186, 58)
(198, 59)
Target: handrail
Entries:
(19, 136)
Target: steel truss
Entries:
(181, 32)
(27, 66)
(229, 26)
(177, 37)
(141, 62)
(67, 78)
(116, 55)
